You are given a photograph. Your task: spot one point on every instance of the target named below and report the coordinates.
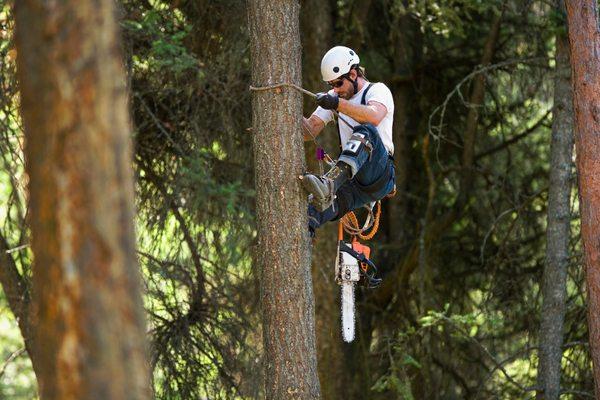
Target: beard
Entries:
(346, 95)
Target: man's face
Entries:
(343, 87)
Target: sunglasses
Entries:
(336, 84)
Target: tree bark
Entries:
(584, 39)
(558, 231)
(89, 334)
(283, 244)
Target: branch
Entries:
(15, 289)
(10, 359)
(198, 292)
(515, 138)
(498, 365)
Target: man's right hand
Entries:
(328, 101)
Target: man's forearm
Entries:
(308, 130)
(361, 114)
(312, 127)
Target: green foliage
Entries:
(167, 52)
(446, 18)
(195, 197)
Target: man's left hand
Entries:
(328, 101)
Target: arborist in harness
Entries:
(364, 172)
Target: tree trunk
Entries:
(584, 39)
(558, 231)
(90, 336)
(408, 42)
(283, 244)
(475, 101)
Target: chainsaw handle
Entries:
(359, 256)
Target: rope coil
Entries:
(351, 226)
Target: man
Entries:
(364, 171)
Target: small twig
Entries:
(15, 249)
(482, 248)
(578, 392)
(574, 344)
(159, 125)
(10, 359)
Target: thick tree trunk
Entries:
(558, 231)
(584, 39)
(283, 250)
(90, 336)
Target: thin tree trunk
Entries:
(89, 331)
(584, 39)
(283, 250)
(476, 100)
(558, 231)
(408, 42)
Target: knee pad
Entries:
(357, 142)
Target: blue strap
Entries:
(364, 95)
(362, 102)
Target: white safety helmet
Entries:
(337, 62)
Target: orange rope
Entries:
(351, 226)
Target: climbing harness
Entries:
(352, 264)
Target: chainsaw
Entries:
(352, 266)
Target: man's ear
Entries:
(353, 74)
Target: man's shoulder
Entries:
(379, 86)
(380, 91)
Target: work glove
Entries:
(328, 101)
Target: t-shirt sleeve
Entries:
(325, 115)
(381, 94)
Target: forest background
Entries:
(462, 246)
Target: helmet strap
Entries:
(354, 83)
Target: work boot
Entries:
(323, 188)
